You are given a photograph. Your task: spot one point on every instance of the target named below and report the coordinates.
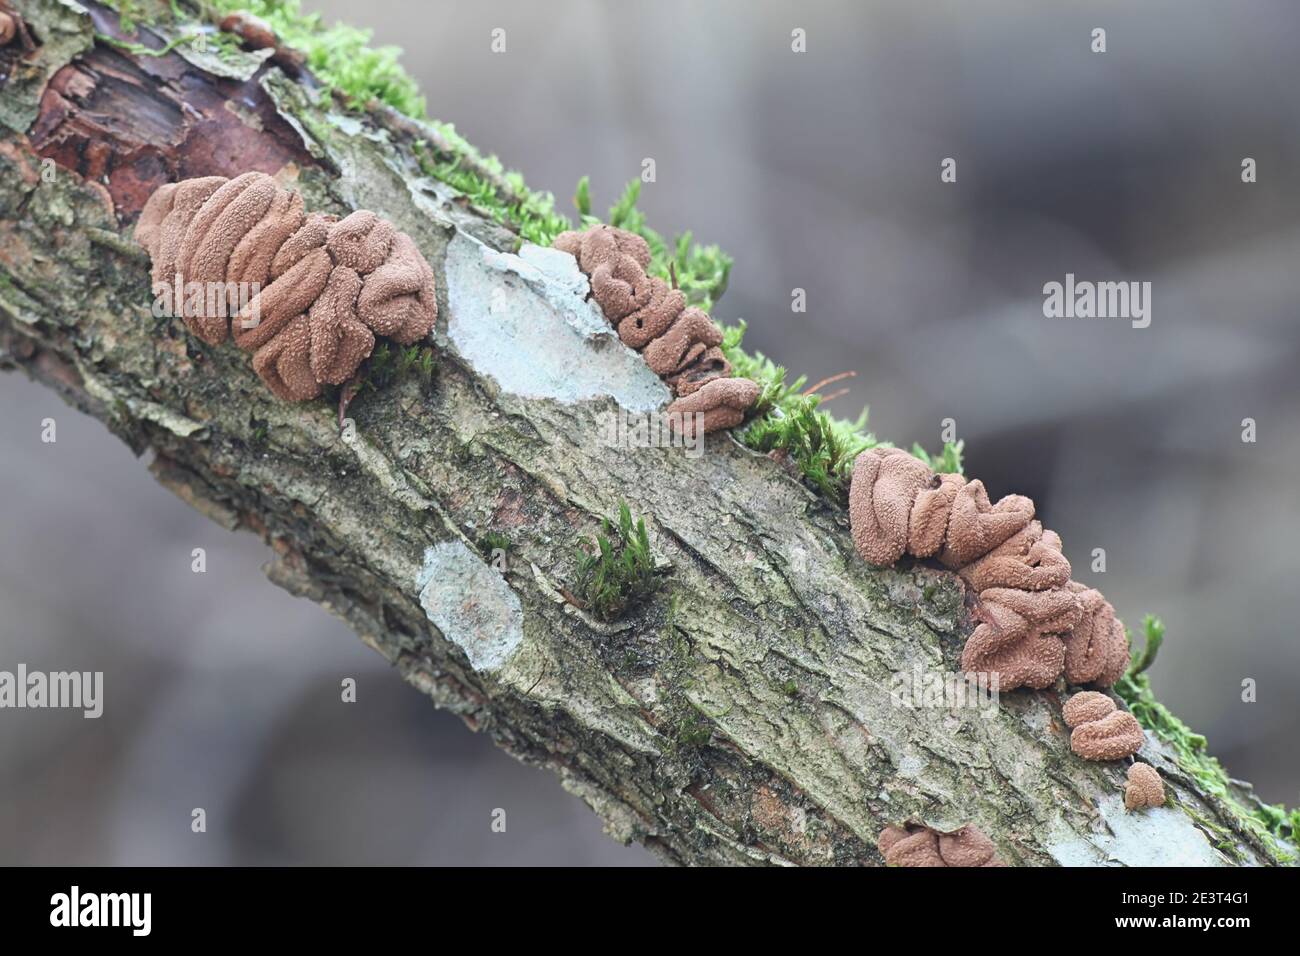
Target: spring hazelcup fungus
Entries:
(322, 288)
(722, 401)
(1034, 622)
(1099, 730)
(681, 344)
(916, 845)
(1144, 788)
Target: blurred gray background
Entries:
(820, 171)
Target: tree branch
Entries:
(746, 714)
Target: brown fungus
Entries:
(885, 483)
(1034, 660)
(1101, 731)
(722, 403)
(1144, 787)
(920, 846)
(306, 293)
(1034, 622)
(685, 342)
(1085, 707)
(681, 345)
(976, 526)
(711, 365)
(927, 524)
(1113, 737)
(1030, 560)
(1097, 649)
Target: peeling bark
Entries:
(743, 716)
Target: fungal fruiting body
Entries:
(1144, 787)
(1100, 730)
(8, 28)
(1034, 622)
(306, 293)
(916, 845)
(680, 343)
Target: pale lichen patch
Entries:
(1162, 836)
(524, 320)
(471, 605)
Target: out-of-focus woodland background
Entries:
(820, 171)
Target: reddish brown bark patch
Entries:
(134, 123)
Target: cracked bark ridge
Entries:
(1034, 622)
(919, 846)
(681, 345)
(1144, 788)
(322, 288)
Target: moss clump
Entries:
(692, 730)
(494, 541)
(1191, 748)
(621, 573)
(700, 272)
(388, 364)
(531, 214)
(788, 419)
(340, 56)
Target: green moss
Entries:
(1220, 836)
(1192, 749)
(128, 13)
(687, 726)
(788, 419)
(530, 213)
(493, 541)
(390, 363)
(701, 272)
(692, 730)
(621, 572)
(259, 431)
(340, 56)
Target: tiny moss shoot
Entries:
(692, 730)
(494, 541)
(621, 572)
(389, 363)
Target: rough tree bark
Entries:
(743, 716)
